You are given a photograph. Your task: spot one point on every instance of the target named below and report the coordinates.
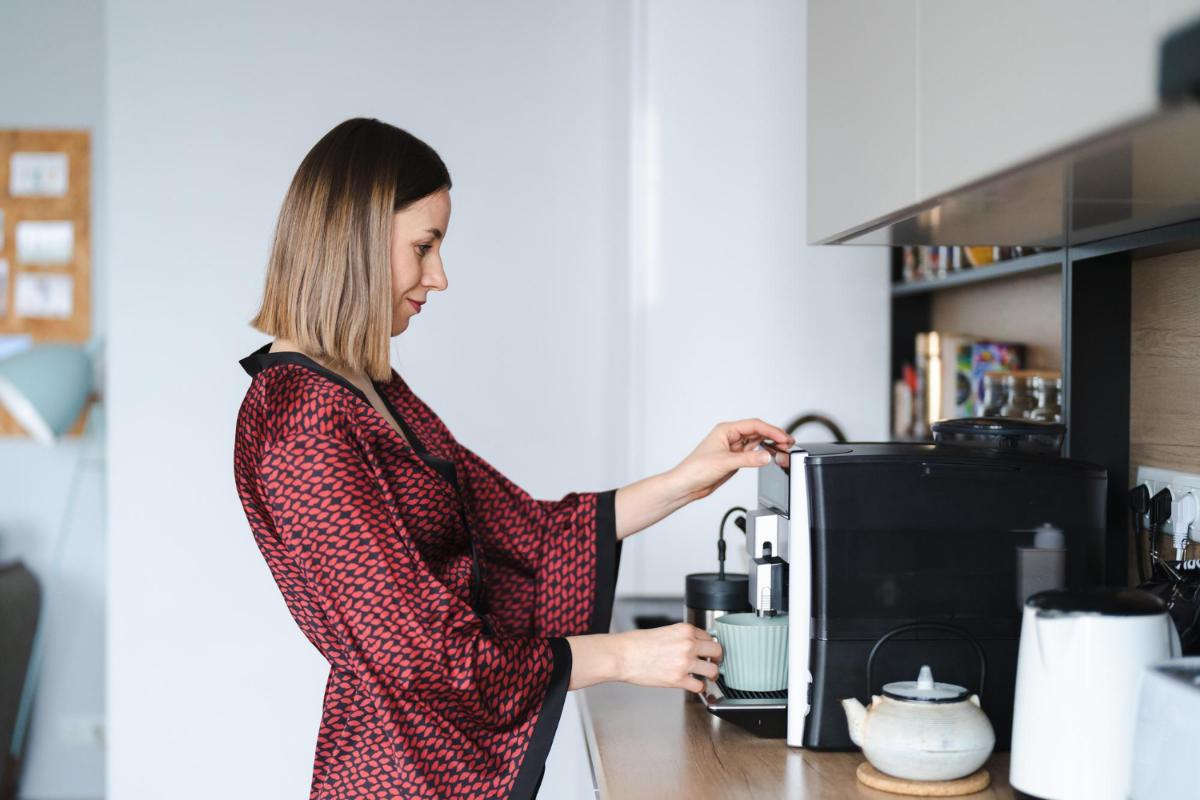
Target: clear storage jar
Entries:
(1047, 392)
(994, 393)
(1019, 400)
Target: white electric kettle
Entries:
(1078, 674)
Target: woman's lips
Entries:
(416, 306)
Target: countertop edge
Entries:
(595, 760)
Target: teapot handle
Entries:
(937, 626)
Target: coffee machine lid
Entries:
(925, 689)
(925, 454)
(709, 591)
(1103, 601)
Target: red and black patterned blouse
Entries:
(439, 591)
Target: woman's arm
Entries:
(643, 503)
(726, 449)
(594, 660)
(668, 656)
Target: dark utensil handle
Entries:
(935, 626)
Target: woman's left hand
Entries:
(729, 447)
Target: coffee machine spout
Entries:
(766, 546)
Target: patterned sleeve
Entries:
(549, 564)
(418, 648)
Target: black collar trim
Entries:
(261, 358)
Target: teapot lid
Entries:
(925, 690)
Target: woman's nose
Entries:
(437, 277)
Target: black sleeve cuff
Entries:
(608, 559)
(530, 773)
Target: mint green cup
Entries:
(755, 651)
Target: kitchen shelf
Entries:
(1093, 287)
(1035, 263)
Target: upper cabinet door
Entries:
(862, 111)
(908, 100)
(1002, 82)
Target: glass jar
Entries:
(994, 395)
(1018, 399)
(1047, 391)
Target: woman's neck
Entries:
(359, 379)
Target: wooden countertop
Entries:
(662, 743)
(659, 743)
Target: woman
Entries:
(454, 609)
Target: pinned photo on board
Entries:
(46, 242)
(37, 175)
(43, 295)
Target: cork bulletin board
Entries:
(45, 243)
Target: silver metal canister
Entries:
(710, 595)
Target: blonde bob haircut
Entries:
(329, 277)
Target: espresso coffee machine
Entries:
(915, 552)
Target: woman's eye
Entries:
(424, 248)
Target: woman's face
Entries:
(417, 235)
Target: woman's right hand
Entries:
(668, 656)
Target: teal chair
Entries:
(45, 387)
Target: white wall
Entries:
(600, 317)
(51, 76)
(735, 316)
(213, 691)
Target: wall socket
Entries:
(1180, 483)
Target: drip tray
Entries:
(762, 713)
(739, 694)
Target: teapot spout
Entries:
(855, 715)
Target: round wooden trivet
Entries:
(975, 782)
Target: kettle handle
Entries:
(936, 626)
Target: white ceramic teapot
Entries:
(922, 730)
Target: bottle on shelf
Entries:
(908, 271)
